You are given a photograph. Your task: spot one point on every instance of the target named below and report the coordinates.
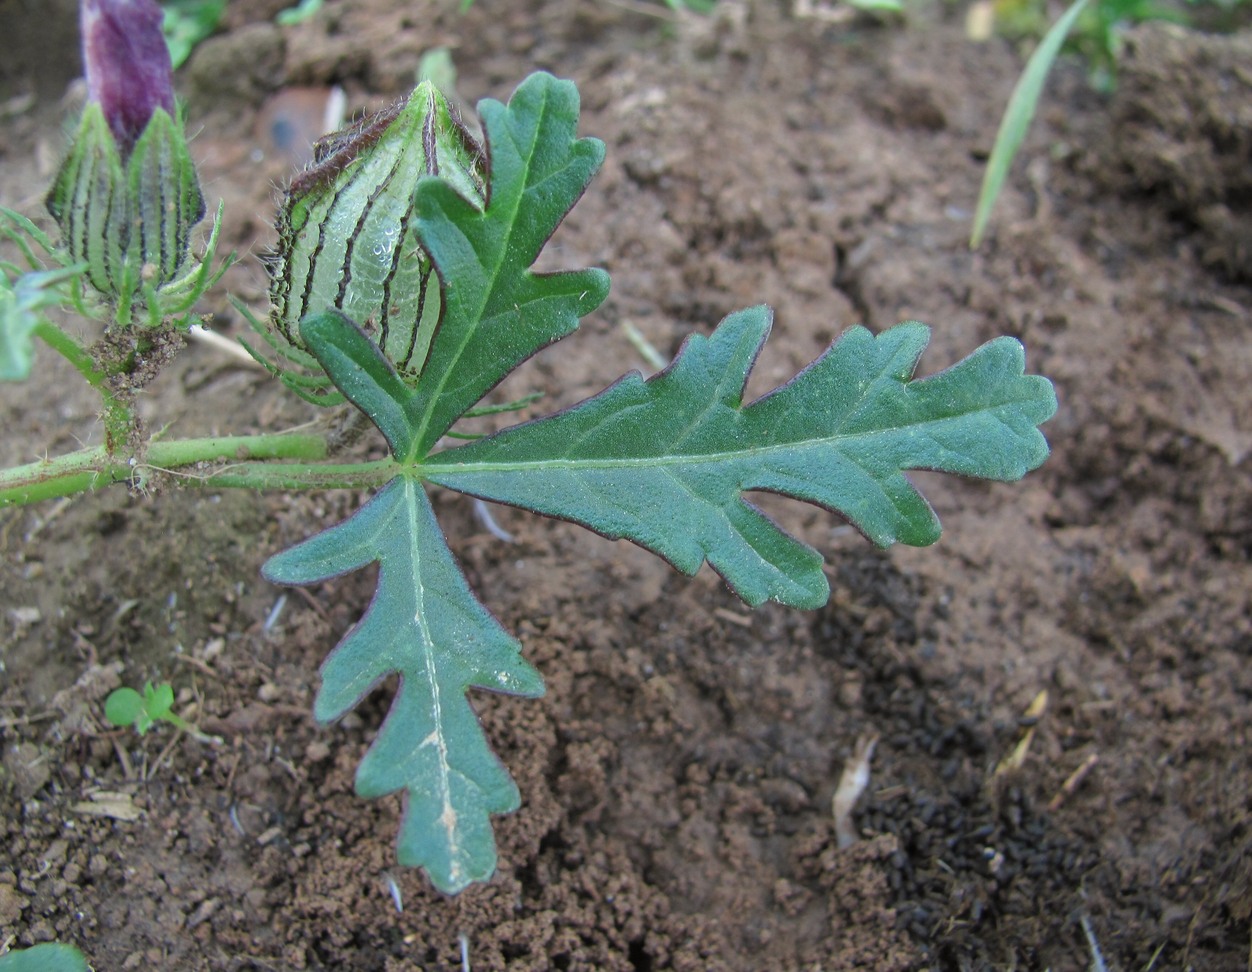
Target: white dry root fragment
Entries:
(482, 513)
(223, 345)
(389, 882)
(1097, 960)
(852, 783)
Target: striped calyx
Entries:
(348, 227)
(129, 219)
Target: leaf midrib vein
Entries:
(658, 461)
(428, 661)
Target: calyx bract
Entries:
(128, 218)
(347, 227)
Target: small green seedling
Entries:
(1018, 116)
(1095, 29)
(125, 707)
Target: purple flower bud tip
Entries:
(128, 64)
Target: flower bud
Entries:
(127, 195)
(348, 227)
(128, 64)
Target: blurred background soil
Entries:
(677, 778)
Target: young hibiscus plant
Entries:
(402, 287)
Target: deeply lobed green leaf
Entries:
(425, 626)
(497, 312)
(665, 462)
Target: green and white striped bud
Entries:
(129, 219)
(347, 227)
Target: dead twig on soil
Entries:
(1073, 781)
(313, 603)
(643, 9)
(123, 757)
(1030, 719)
(197, 664)
(14, 721)
(151, 771)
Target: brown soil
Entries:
(677, 778)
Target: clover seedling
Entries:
(126, 707)
(402, 284)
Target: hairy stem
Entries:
(238, 461)
(263, 475)
(118, 417)
(72, 351)
(178, 722)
